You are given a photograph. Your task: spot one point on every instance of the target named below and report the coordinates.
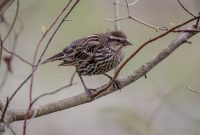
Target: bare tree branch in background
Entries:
(8, 58)
(1, 48)
(192, 90)
(116, 13)
(13, 23)
(129, 16)
(184, 8)
(4, 5)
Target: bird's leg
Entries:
(88, 91)
(115, 82)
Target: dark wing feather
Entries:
(53, 58)
(78, 51)
(81, 50)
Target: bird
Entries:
(93, 55)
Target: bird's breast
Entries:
(104, 61)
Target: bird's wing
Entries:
(58, 56)
(80, 51)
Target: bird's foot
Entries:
(90, 92)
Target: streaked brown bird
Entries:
(93, 55)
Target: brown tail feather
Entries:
(58, 56)
(67, 63)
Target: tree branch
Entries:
(4, 4)
(116, 14)
(184, 8)
(124, 81)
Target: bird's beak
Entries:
(126, 42)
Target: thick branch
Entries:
(124, 81)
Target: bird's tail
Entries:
(58, 56)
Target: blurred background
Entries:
(158, 105)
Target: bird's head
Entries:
(117, 40)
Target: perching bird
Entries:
(93, 55)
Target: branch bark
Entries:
(116, 14)
(82, 98)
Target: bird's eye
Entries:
(118, 39)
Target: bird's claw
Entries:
(90, 92)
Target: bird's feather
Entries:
(78, 51)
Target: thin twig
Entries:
(1, 48)
(59, 25)
(148, 25)
(8, 59)
(184, 8)
(119, 19)
(7, 125)
(48, 94)
(136, 19)
(4, 110)
(12, 131)
(13, 23)
(127, 7)
(3, 81)
(16, 55)
(192, 90)
(139, 21)
(19, 87)
(5, 4)
(132, 3)
(116, 14)
(55, 91)
(197, 23)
